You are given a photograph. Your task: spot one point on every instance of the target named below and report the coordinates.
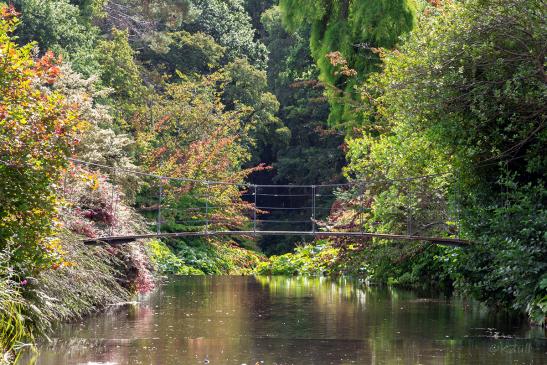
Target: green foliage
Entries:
(313, 154)
(464, 95)
(230, 25)
(247, 89)
(404, 265)
(91, 8)
(166, 262)
(59, 26)
(353, 29)
(199, 257)
(508, 268)
(306, 260)
(120, 72)
(189, 52)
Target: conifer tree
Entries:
(344, 43)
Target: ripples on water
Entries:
(297, 320)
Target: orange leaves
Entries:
(160, 123)
(38, 130)
(341, 64)
(8, 13)
(47, 67)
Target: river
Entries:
(292, 320)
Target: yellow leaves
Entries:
(91, 180)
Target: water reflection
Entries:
(295, 320)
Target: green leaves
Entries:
(119, 70)
(230, 25)
(463, 93)
(59, 26)
(38, 131)
(355, 30)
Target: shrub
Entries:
(306, 260)
(199, 257)
(38, 130)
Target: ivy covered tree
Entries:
(344, 39)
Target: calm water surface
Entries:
(280, 320)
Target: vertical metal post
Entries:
(64, 184)
(313, 209)
(409, 208)
(112, 201)
(254, 214)
(160, 194)
(459, 200)
(361, 228)
(207, 207)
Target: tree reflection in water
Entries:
(293, 320)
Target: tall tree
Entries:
(343, 42)
(230, 25)
(313, 154)
(59, 26)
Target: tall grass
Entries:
(94, 278)
(13, 329)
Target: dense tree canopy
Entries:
(230, 26)
(343, 41)
(60, 27)
(466, 94)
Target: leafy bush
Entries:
(464, 94)
(508, 268)
(166, 262)
(306, 260)
(38, 130)
(199, 257)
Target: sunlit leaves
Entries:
(352, 30)
(37, 131)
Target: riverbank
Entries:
(92, 278)
(293, 320)
(402, 265)
(88, 280)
